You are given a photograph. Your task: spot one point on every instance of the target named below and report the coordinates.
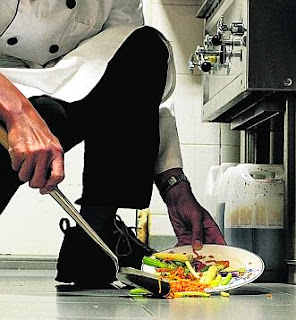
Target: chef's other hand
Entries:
(191, 222)
(36, 154)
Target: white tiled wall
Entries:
(29, 225)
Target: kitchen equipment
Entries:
(127, 275)
(246, 55)
(249, 81)
(254, 214)
(217, 183)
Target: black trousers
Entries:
(118, 122)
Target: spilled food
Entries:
(188, 276)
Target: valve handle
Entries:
(216, 41)
(206, 66)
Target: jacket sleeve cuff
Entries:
(169, 155)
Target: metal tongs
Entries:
(127, 275)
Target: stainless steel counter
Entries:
(33, 294)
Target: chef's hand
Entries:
(192, 224)
(36, 153)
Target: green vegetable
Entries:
(154, 262)
(181, 257)
(204, 269)
(191, 294)
(216, 281)
(192, 271)
(179, 264)
(226, 280)
(225, 294)
(209, 275)
(139, 292)
(240, 270)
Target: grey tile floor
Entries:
(34, 294)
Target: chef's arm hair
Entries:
(125, 12)
(169, 155)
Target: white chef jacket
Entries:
(53, 46)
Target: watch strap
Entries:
(172, 181)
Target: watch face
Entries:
(172, 180)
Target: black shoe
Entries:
(81, 261)
(129, 249)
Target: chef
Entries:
(90, 70)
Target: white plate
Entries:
(238, 258)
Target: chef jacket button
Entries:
(12, 41)
(71, 4)
(54, 48)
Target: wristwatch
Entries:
(172, 181)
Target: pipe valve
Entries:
(218, 49)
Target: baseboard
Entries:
(160, 242)
(27, 262)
